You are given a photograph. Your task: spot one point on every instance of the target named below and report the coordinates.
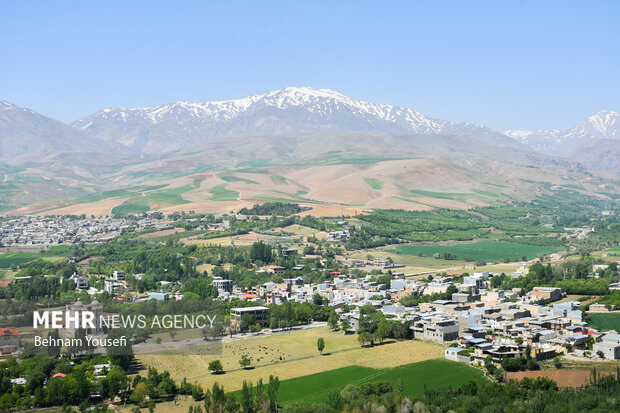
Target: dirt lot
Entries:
(163, 232)
(564, 378)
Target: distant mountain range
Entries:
(25, 131)
(603, 125)
(290, 111)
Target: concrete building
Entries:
(118, 276)
(75, 310)
(439, 330)
(9, 342)
(113, 288)
(457, 354)
(222, 285)
(159, 296)
(546, 293)
(259, 314)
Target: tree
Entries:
(259, 251)
(320, 344)
(53, 350)
(245, 361)
(600, 354)
(117, 382)
(216, 367)
(272, 392)
(228, 324)
(216, 331)
(247, 399)
(345, 325)
(557, 363)
(120, 355)
(139, 393)
(218, 398)
(197, 392)
(333, 322)
(364, 338)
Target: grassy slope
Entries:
(432, 374)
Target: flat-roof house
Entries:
(546, 293)
(159, 296)
(457, 354)
(610, 350)
(222, 285)
(119, 275)
(259, 314)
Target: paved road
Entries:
(143, 348)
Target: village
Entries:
(46, 231)
(474, 319)
(485, 322)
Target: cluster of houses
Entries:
(40, 230)
(480, 321)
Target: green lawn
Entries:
(483, 250)
(602, 321)
(432, 374)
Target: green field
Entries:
(278, 180)
(374, 183)
(221, 193)
(431, 374)
(603, 321)
(142, 201)
(232, 178)
(130, 207)
(483, 250)
(16, 258)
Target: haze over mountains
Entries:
(292, 110)
(25, 131)
(288, 111)
(298, 144)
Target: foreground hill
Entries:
(365, 170)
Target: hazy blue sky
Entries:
(506, 64)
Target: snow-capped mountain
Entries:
(24, 131)
(604, 125)
(288, 111)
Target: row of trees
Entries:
(263, 397)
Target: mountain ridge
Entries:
(291, 110)
(605, 124)
(23, 130)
